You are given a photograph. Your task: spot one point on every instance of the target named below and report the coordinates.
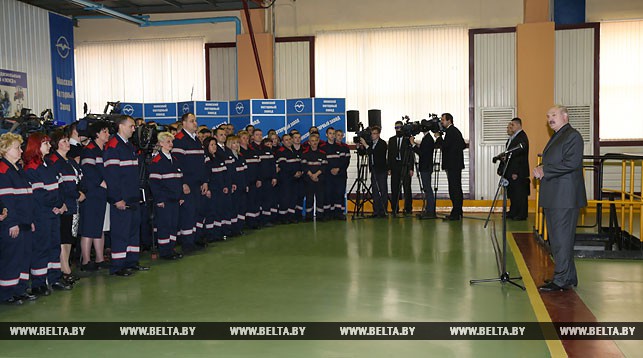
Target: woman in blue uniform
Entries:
(45, 259)
(17, 227)
(92, 210)
(69, 177)
(218, 190)
(167, 190)
(238, 175)
(288, 172)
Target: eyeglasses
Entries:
(398, 127)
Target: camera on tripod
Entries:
(364, 133)
(145, 136)
(432, 124)
(28, 123)
(85, 123)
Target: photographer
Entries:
(517, 173)
(452, 146)
(425, 153)
(400, 164)
(377, 163)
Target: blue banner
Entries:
(239, 114)
(134, 110)
(267, 114)
(183, 108)
(163, 113)
(299, 116)
(61, 32)
(330, 112)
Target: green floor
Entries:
(393, 270)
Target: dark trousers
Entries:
(253, 207)
(518, 193)
(125, 232)
(335, 190)
(429, 206)
(287, 199)
(399, 173)
(166, 224)
(315, 192)
(45, 254)
(300, 196)
(454, 177)
(267, 199)
(379, 188)
(188, 218)
(561, 228)
(12, 263)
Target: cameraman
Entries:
(425, 152)
(452, 146)
(377, 164)
(400, 163)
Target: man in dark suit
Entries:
(401, 161)
(517, 172)
(378, 166)
(562, 194)
(425, 166)
(452, 147)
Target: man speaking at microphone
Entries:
(517, 172)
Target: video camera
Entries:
(364, 133)
(28, 123)
(85, 123)
(145, 136)
(432, 124)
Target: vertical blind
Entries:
(159, 70)
(621, 80)
(401, 71)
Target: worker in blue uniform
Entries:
(166, 185)
(190, 158)
(239, 183)
(314, 164)
(253, 208)
(218, 191)
(122, 177)
(288, 172)
(268, 176)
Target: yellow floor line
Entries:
(556, 348)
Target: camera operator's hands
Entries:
(334, 171)
(362, 142)
(437, 135)
(412, 140)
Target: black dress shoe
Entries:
(102, 265)
(124, 272)
(550, 287)
(453, 218)
(89, 266)
(61, 286)
(41, 291)
(173, 256)
(140, 268)
(12, 301)
(28, 297)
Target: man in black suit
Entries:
(562, 194)
(452, 146)
(425, 166)
(401, 161)
(377, 164)
(517, 172)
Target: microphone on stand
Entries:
(508, 151)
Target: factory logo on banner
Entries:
(61, 32)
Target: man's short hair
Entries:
(185, 116)
(562, 109)
(339, 131)
(448, 117)
(329, 128)
(315, 134)
(219, 128)
(122, 119)
(284, 136)
(517, 120)
(376, 128)
(204, 131)
(399, 122)
(294, 131)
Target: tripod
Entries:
(360, 187)
(403, 174)
(502, 262)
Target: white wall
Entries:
(24, 35)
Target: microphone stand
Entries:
(504, 274)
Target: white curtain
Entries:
(159, 70)
(401, 71)
(621, 80)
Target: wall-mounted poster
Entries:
(13, 93)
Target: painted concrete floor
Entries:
(388, 270)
